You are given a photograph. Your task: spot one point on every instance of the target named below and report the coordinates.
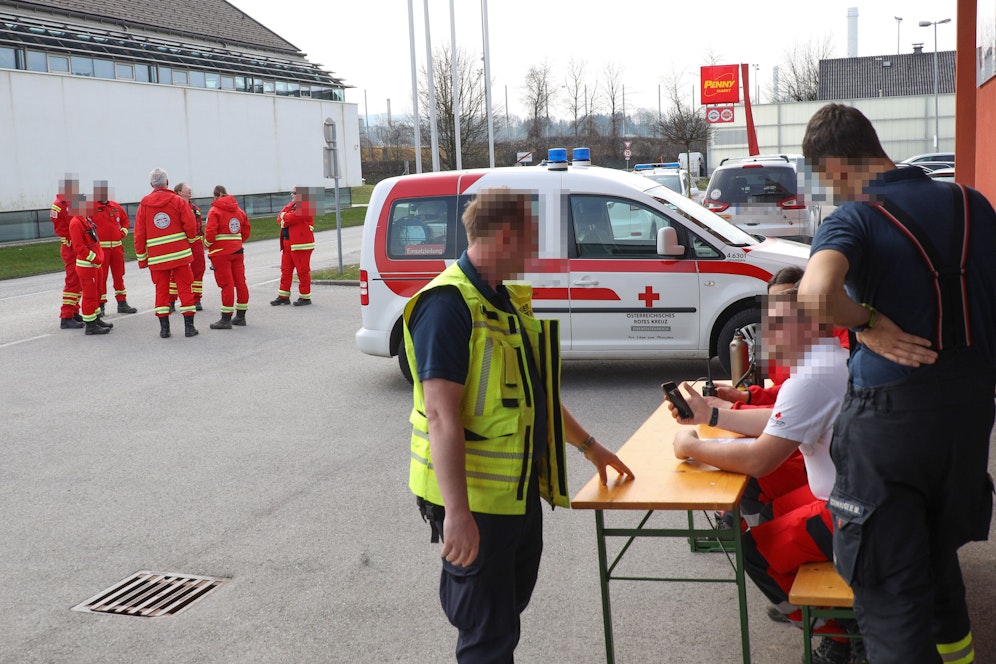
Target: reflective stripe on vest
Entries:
(165, 239)
(165, 258)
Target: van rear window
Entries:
(425, 228)
(764, 184)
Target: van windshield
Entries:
(698, 216)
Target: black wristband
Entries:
(714, 418)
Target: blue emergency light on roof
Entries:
(556, 159)
(581, 154)
(643, 167)
(671, 164)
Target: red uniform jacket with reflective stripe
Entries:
(112, 223)
(227, 227)
(164, 229)
(86, 246)
(60, 217)
(297, 221)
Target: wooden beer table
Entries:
(663, 483)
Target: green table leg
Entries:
(807, 636)
(741, 585)
(603, 582)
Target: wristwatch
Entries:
(872, 318)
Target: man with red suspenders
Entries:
(906, 263)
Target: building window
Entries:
(257, 86)
(338, 94)
(59, 64)
(125, 71)
(240, 84)
(294, 89)
(145, 74)
(228, 83)
(197, 79)
(37, 61)
(268, 87)
(82, 66)
(179, 77)
(103, 68)
(8, 58)
(281, 88)
(166, 75)
(213, 81)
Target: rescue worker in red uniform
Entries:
(297, 241)
(227, 228)
(164, 231)
(197, 246)
(112, 227)
(89, 260)
(69, 313)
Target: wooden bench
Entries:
(820, 592)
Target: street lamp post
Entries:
(937, 118)
(899, 22)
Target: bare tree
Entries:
(575, 87)
(612, 84)
(682, 125)
(536, 95)
(473, 119)
(799, 75)
(397, 139)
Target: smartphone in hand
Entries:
(675, 397)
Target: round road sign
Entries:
(627, 153)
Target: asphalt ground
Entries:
(276, 456)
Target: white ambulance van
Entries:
(630, 268)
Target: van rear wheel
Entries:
(732, 324)
(403, 363)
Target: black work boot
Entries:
(78, 318)
(831, 651)
(197, 306)
(102, 323)
(224, 324)
(188, 327)
(123, 308)
(172, 306)
(302, 301)
(240, 318)
(70, 323)
(280, 300)
(94, 327)
(164, 327)
(101, 309)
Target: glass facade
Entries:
(31, 45)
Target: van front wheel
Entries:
(732, 324)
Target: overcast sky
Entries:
(366, 42)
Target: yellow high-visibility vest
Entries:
(497, 407)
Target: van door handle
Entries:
(585, 281)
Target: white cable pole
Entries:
(416, 119)
(487, 82)
(455, 84)
(432, 92)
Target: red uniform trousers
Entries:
(230, 275)
(181, 276)
(88, 279)
(72, 290)
(295, 260)
(114, 262)
(774, 551)
(197, 268)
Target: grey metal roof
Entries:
(211, 20)
(887, 75)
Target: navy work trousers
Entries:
(484, 600)
(911, 488)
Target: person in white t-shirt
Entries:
(802, 418)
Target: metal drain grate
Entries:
(150, 594)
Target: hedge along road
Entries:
(276, 456)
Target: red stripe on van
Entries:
(727, 267)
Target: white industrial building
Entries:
(110, 89)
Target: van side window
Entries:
(423, 228)
(606, 226)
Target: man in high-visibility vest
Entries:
(488, 429)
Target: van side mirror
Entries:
(667, 242)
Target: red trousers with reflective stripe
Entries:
(182, 277)
(88, 280)
(72, 289)
(230, 275)
(300, 261)
(114, 263)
